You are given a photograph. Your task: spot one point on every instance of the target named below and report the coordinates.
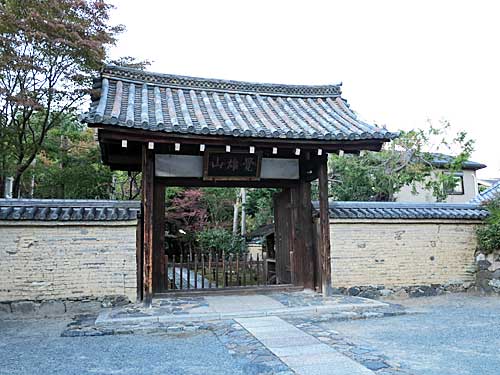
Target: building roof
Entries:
(444, 161)
(487, 195)
(135, 99)
(262, 231)
(68, 210)
(396, 210)
(487, 182)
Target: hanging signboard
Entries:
(219, 165)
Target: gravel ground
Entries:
(449, 335)
(35, 347)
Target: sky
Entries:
(401, 63)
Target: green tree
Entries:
(260, 206)
(488, 235)
(219, 203)
(69, 164)
(49, 51)
(219, 239)
(408, 160)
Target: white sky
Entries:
(401, 62)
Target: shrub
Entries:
(219, 239)
(488, 235)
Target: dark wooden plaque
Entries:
(219, 165)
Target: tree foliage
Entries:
(69, 165)
(488, 235)
(219, 203)
(260, 206)
(220, 240)
(49, 51)
(408, 160)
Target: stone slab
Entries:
(51, 308)
(5, 309)
(26, 308)
(287, 341)
(302, 352)
(334, 367)
(222, 307)
(311, 349)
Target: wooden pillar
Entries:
(324, 229)
(159, 266)
(282, 237)
(139, 256)
(306, 234)
(296, 243)
(302, 266)
(153, 229)
(148, 218)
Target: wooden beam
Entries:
(324, 230)
(148, 223)
(111, 132)
(198, 182)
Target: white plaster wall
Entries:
(40, 260)
(425, 196)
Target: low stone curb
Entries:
(29, 309)
(89, 325)
(105, 319)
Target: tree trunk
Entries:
(235, 216)
(16, 185)
(243, 193)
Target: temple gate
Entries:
(194, 132)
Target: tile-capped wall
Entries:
(402, 252)
(45, 261)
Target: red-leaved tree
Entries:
(49, 51)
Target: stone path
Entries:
(238, 303)
(187, 277)
(221, 307)
(277, 333)
(303, 353)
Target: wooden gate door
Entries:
(282, 235)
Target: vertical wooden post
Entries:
(139, 256)
(148, 220)
(283, 237)
(159, 266)
(296, 243)
(324, 229)
(302, 265)
(307, 234)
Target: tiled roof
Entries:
(261, 231)
(396, 210)
(137, 99)
(487, 195)
(68, 210)
(443, 160)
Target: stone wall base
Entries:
(488, 272)
(24, 309)
(378, 291)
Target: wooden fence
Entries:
(214, 270)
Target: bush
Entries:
(219, 239)
(488, 235)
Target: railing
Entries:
(214, 270)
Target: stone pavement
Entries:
(301, 352)
(277, 333)
(221, 307)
